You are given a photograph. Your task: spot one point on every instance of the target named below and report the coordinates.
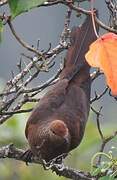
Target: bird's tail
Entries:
(75, 63)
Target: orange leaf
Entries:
(103, 54)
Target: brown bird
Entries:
(57, 123)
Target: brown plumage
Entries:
(57, 123)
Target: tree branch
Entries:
(24, 44)
(3, 2)
(10, 151)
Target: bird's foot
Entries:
(57, 162)
(50, 165)
(46, 165)
(59, 159)
(27, 156)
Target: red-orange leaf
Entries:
(103, 54)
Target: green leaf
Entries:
(107, 178)
(96, 171)
(19, 6)
(1, 29)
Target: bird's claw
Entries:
(60, 167)
(59, 159)
(58, 162)
(47, 165)
(27, 156)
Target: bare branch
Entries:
(16, 112)
(98, 122)
(11, 152)
(110, 94)
(66, 30)
(3, 2)
(105, 140)
(112, 7)
(24, 44)
(16, 89)
(98, 96)
(95, 75)
(105, 26)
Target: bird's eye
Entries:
(53, 132)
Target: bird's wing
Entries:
(48, 104)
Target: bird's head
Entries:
(59, 132)
(50, 141)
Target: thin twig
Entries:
(66, 31)
(105, 26)
(3, 2)
(98, 121)
(95, 75)
(105, 140)
(93, 18)
(98, 96)
(16, 112)
(24, 44)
